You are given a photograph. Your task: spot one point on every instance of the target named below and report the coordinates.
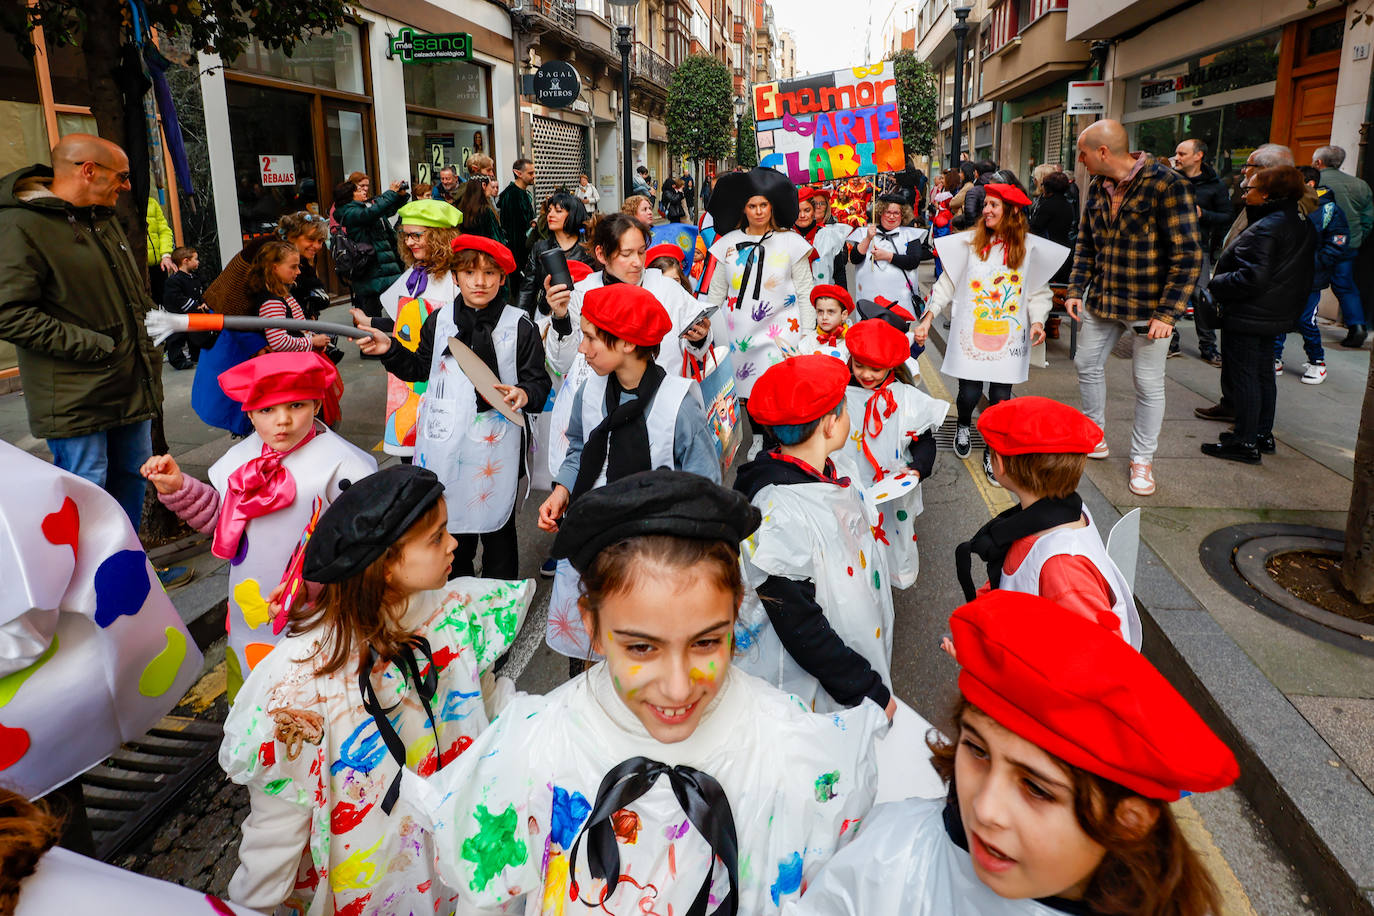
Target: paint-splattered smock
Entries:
(767, 318)
(317, 839)
(505, 818)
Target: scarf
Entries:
(880, 406)
(418, 281)
(753, 259)
(703, 801)
(260, 486)
(810, 236)
(824, 476)
(832, 339)
(475, 327)
(426, 686)
(993, 540)
(621, 440)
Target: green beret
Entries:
(426, 212)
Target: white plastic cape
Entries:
(306, 740)
(823, 533)
(92, 651)
(903, 863)
(505, 817)
(828, 242)
(69, 883)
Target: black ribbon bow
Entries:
(755, 258)
(426, 687)
(993, 540)
(701, 798)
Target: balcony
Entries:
(559, 12)
(740, 29)
(645, 64)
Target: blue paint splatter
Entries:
(454, 703)
(121, 586)
(362, 752)
(789, 878)
(569, 811)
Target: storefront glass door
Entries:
(275, 166)
(346, 146)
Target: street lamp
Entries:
(739, 117)
(961, 10)
(623, 18)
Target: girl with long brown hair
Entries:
(1067, 747)
(996, 285)
(381, 671)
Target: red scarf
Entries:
(879, 407)
(826, 476)
(832, 339)
(262, 485)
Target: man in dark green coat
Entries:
(72, 302)
(368, 220)
(516, 205)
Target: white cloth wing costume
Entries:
(306, 740)
(874, 278)
(69, 883)
(92, 651)
(318, 467)
(913, 413)
(506, 816)
(815, 531)
(993, 307)
(903, 863)
(829, 241)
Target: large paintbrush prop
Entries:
(162, 324)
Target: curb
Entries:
(1317, 811)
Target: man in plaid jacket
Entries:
(1137, 261)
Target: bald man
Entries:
(1136, 263)
(72, 302)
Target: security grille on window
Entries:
(560, 154)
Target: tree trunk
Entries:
(100, 45)
(1357, 563)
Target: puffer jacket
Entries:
(161, 241)
(1262, 280)
(370, 223)
(72, 301)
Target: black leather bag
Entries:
(1206, 310)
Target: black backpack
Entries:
(352, 260)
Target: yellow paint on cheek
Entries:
(635, 669)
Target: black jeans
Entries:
(969, 394)
(500, 553)
(1247, 373)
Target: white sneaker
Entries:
(1314, 373)
(1142, 478)
(1101, 451)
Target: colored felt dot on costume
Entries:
(901, 515)
(14, 744)
(877, 582)
(63, 527)
(10, 683)
(255, 652)
(248, 596)
(160, 673)
(121, 586)
(242, 550)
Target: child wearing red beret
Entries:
(895, 448)
(1068, 747)
(1047, 544)
(821, 624)
(997, 287)
(833, 306)
(629, 415)
(470, 445)
(265, 490)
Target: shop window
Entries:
(263, 194)
(23, 133)
(73, 123)
(451, 86)
(332, 61)
(454, 140)
(1231, 133)
(1249, 63)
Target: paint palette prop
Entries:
(891, 487)
(904, 769)
(483, 379)
(120, 656)
(294, 577)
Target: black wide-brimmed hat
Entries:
(733, 190)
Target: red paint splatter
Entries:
(428, 765)
(14, 744)
(218, 905)
(355, 908)
(850, 570)
(63, 526)
(625, 824)
(424, 886)
(346, 816)
(267, 753)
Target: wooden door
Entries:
(1309, 60)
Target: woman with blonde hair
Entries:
(996, 286)
(640, 207)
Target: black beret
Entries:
(652, 502)
(366, 519)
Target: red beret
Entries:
(798, 390)
(1035, 425)
(279, 378)
(580, 270)
(499, 253)
(806, 193)
(831, 291)
(877, 344)
(1080, 692)
(630, 312)
(1007, 192)
(666, 250)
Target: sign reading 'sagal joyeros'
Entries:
(418, 47)
(557, 84)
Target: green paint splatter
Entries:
(901, 515)
(275, 786)
(825, 785)
(494, 846)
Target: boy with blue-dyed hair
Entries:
(818, 619)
